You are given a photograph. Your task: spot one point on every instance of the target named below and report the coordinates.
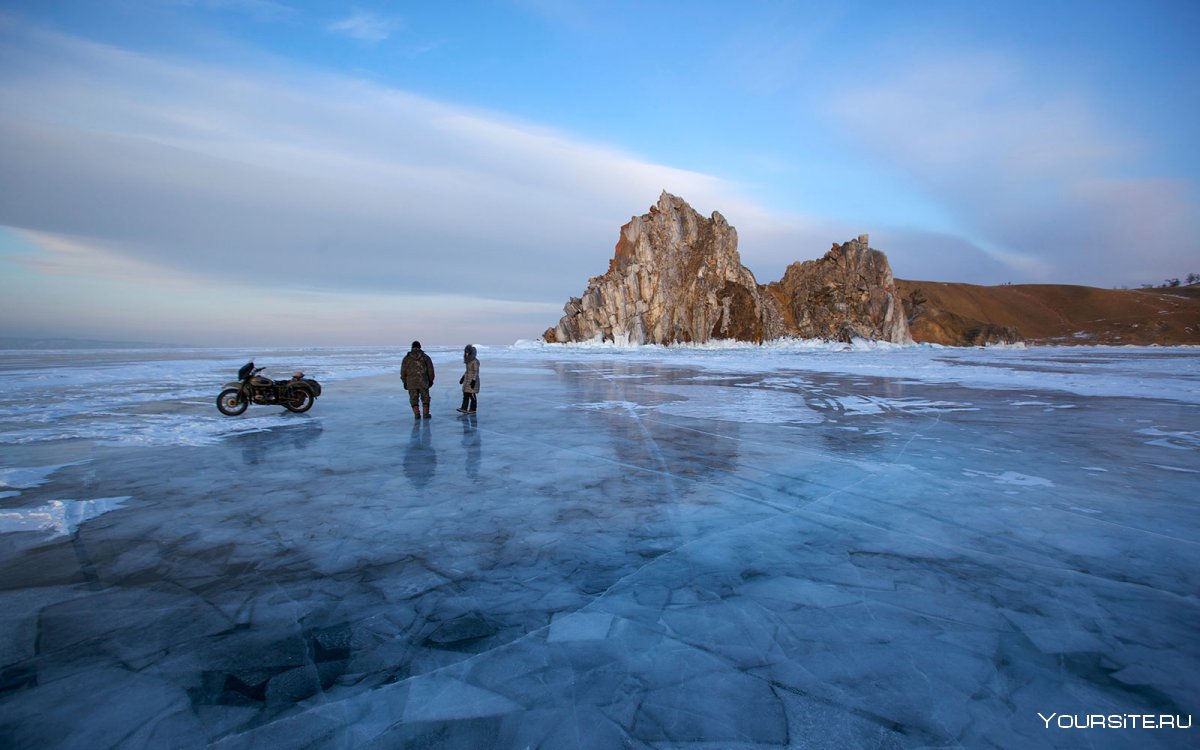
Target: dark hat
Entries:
(416, 345)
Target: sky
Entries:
(286, 173)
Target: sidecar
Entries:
(312, 384)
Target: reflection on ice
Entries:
(757, 405)
(647, 548)
(420, 459)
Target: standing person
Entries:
(416, 373)
(470, 381)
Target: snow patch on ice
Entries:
(776, 383)
(152, 429)
(1180, 441)
(605, 406)
(59, 517)
(23, 478)
(1175, 468)
(1046, 404)
(1011, 478)
(856, 405)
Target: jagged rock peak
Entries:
(676, 277)
(849, 293)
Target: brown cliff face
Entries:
(967, 314)
(676, 277)
(849, 293)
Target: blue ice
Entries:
(799, 545)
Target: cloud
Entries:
(979, 110)
(310, 187)
(1035, 174)
(68, 256)
(924, 255)
(367, 27)
(313, 181)
(80, 289)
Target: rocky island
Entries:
(676, 277)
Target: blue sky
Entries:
(259, 172)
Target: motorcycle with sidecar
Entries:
(296, 394)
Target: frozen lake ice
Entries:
(791, 546)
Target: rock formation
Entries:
(850, 293)
(676, 277)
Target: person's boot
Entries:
(416, 412)
(427, 414)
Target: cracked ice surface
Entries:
(648, 548)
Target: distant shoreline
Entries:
(21, 343)
(784, 344)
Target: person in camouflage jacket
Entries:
(416, 373)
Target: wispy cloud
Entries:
(317, 182)
(366, 26)
(1035, 172)
(70, 256)
(82, 288)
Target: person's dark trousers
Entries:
(469, 402)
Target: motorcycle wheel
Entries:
(230, 402)
(301, 401)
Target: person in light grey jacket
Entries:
(470, 381)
